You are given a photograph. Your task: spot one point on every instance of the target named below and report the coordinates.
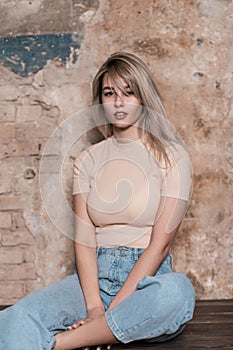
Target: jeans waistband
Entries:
(135, 253)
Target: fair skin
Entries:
(122, 110)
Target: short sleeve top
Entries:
(123, 184)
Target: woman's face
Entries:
(122, 108)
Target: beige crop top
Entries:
(122, 185)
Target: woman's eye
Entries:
(129, 93)
(108, 94)
(112, 93)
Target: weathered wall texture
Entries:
(188, 45)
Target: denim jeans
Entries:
(159, 305)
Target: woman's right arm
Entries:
(85, 254)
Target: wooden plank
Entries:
(211, 328)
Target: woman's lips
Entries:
(120, 115)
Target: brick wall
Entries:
(187, 46)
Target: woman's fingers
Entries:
(79, 323)
(76, 325)
(98, 347)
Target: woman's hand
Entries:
(92, 314)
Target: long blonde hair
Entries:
(158, 134)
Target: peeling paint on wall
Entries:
(28, 54)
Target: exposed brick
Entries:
(12, 166)
(3, 151)
(7, 112)
(11, 290)
(34, 130)
(9, 93)
(11, 255)
(15, 272)
(27, 90)
(23, 185)
(5, 220)
(14, 238)
(28, 113)
(22, 148)
(28, 254)
(5, 184)
(12, 202)
(8, 301)
(17, 221)
(33, 285)
(54, 112)
(7, 131)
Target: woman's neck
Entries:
(130, 133)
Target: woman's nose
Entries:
(119, 101)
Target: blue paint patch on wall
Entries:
(29, 54)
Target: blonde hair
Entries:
(158, 134)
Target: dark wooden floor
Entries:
(211, 328)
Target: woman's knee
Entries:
(178, 288)
(172, 289)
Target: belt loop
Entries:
(135, 254)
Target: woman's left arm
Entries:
(171, 214)
(174, 200)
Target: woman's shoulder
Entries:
(177, 152)
(92, 151)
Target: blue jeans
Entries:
(159, 305)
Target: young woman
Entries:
(131, 192)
